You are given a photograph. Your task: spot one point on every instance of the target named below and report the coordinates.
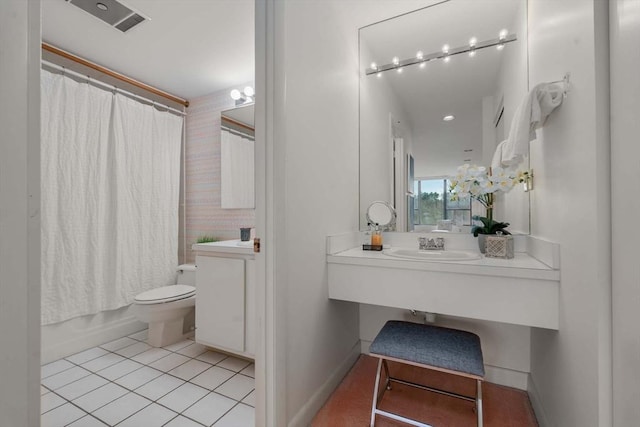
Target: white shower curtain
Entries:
(110, 174)
(237, 171)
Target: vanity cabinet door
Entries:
(220, 302)
(250, 319)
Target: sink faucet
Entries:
(436, 244)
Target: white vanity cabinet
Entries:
(520, 291)
(225, 297)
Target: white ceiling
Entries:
(188, 48)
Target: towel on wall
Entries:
(530, 115)
(496, 161)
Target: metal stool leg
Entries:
(386, 371)
(375, 395)
(479, 402)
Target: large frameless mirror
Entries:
(237, 158)
(438, 89)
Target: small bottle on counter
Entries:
(376, 236)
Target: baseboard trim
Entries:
(536, 403)
(73, 339)
(506, 377)
(305, 415)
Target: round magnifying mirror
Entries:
(381, 213)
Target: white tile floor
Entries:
(127, 383)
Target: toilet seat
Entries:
(165, 294)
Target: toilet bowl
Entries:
(165, 308)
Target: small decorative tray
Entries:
(371, 247)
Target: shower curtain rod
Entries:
(111, 73)
(111, 87)
(237, 132)
(237, 123)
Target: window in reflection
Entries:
(432, 205)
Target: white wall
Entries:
(625, 174)
(570, 369)
(316, 188)
(19, 213)
(315, 92)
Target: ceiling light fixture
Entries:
(502, 37)
(445, 54)
(245, 97)
(102, 6)
(448, 118)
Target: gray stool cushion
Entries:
(435, 346)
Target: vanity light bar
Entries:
(421, 59)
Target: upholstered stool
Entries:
(427, 346)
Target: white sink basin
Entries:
(432, 255)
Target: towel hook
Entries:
(565, 81)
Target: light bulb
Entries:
(472, 53)
(249, 91)
(473, 41)
(500, 46)
(395, 60)
(400, 70)
(448, 118)
(235, 94)
(379, 75)
(374, 66)
(423, 64)
(503, 34)
(420, 55)
(445, 51)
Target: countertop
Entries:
(521, 266)
(224, 247)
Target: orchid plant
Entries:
(481, 184)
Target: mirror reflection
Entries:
(237, 158)
(451, 104)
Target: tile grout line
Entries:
(189, 359)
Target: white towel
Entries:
(530, 115)
(496, 161)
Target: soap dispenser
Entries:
(376, 236)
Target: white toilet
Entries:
(165, 308)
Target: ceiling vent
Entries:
(112, 12)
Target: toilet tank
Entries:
(186, 275)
